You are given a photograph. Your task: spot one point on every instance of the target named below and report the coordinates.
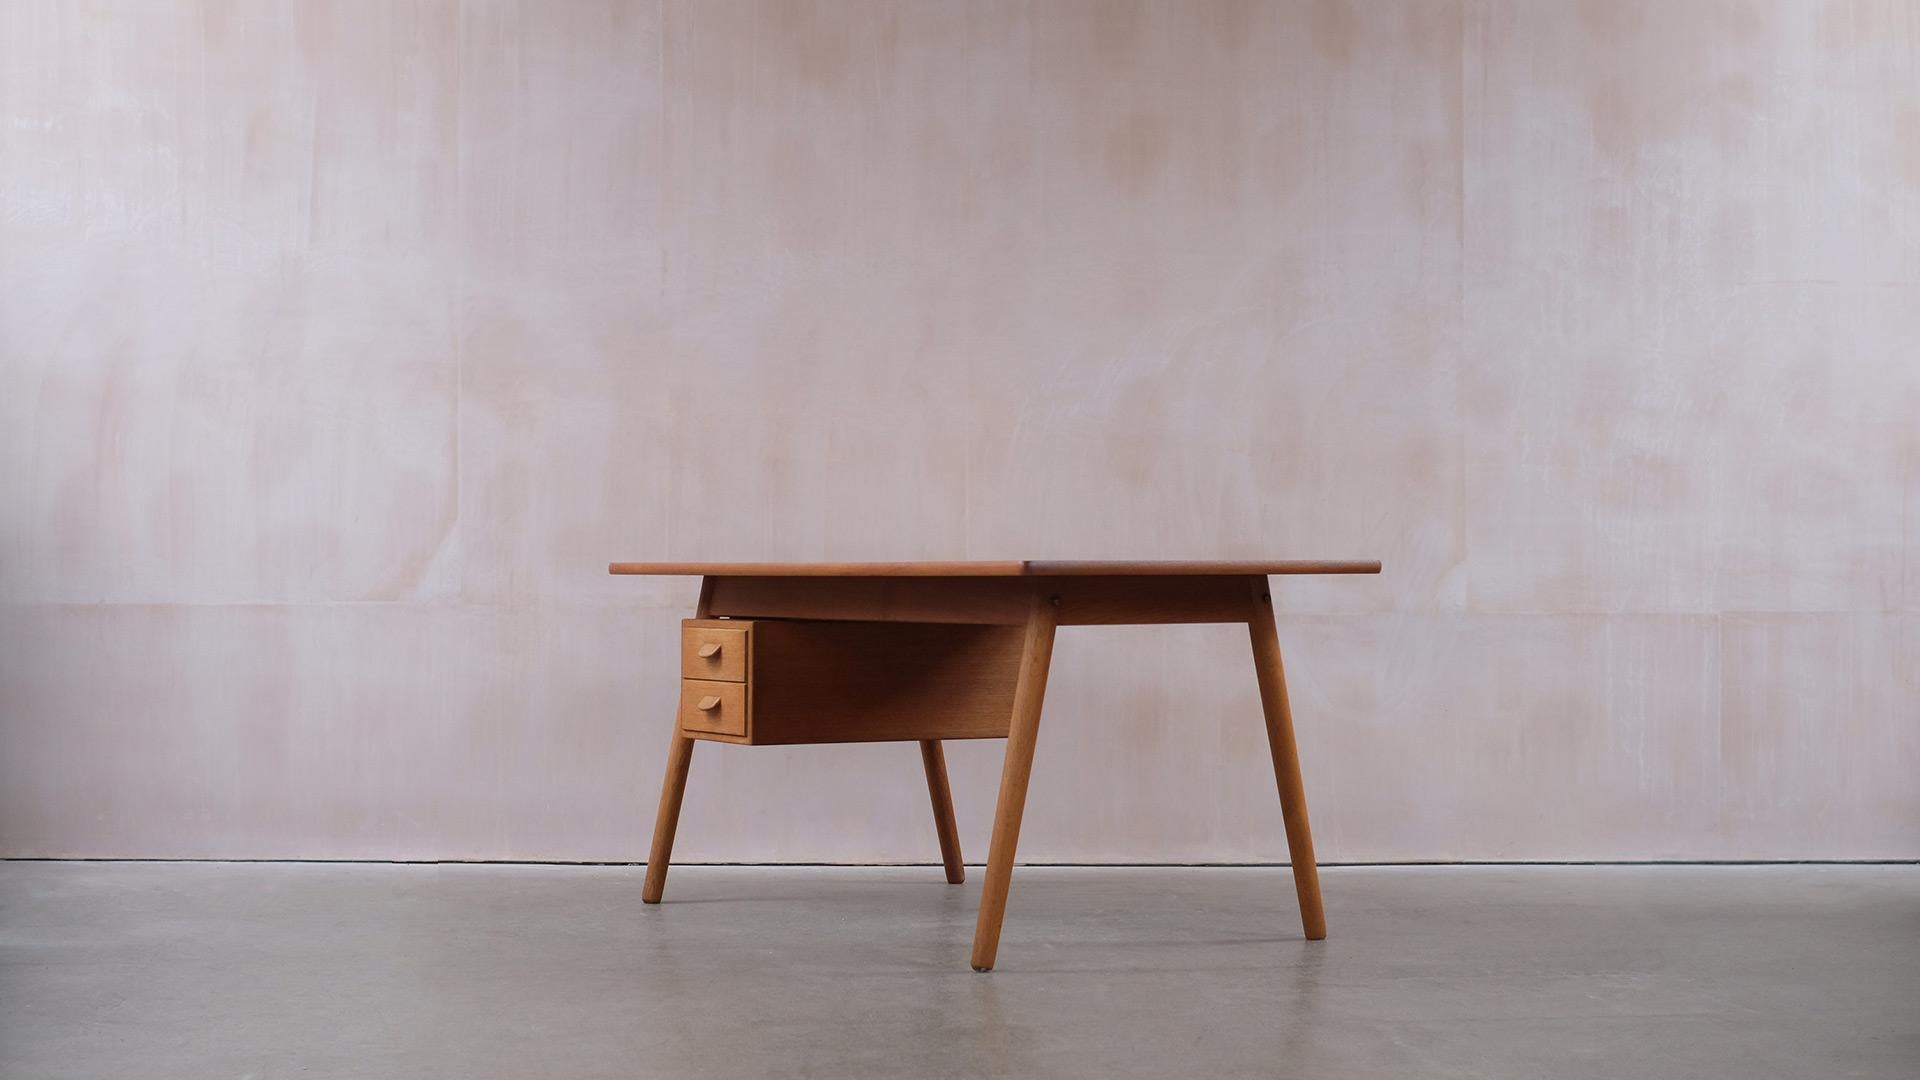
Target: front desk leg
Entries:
(679, 760)
(1035, 657)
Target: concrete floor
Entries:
(234, 970)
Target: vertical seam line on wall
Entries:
(661, 218)
(1459, 344)
(459, 273)
(660, 151)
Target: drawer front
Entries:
(718, 707)
(712, 652)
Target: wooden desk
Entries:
(783, 653)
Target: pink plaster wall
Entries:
(342, 345)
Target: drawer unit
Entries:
(775, 681)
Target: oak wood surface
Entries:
(935, 761)
(667, 819)
(707, 705)
(1036, 656)
(710, 649)
(997, 568)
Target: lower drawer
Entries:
(718, 707)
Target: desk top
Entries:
(1008, 568)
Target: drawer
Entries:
(713, 650)
(709, 705)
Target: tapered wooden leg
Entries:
(679, 759)
(1031, 690)
(935, 759)
(1286, 759)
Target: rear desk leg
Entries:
(935, 760)
(1286, 759)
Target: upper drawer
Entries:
(710, 650)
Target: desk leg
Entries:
(1035, 658)
(1286, 759)
(935, 759)
(679, 760)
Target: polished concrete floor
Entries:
(199, 971)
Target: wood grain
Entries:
(1036, 657)
(667, 819)
(1114, 600)
(824, 682)
(720, 708)
(1085, 600)
(935, 761)
(1191, 568)
(821, 569)
(1286, 759)
(1002, 568)
(714, 649)
(983, 600)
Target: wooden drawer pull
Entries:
(710, 649)
(708, 703)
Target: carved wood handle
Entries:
(708, 703)
(710, 649)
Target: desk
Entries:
(782, 653)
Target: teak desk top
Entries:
(989, 568)
(782, 653)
